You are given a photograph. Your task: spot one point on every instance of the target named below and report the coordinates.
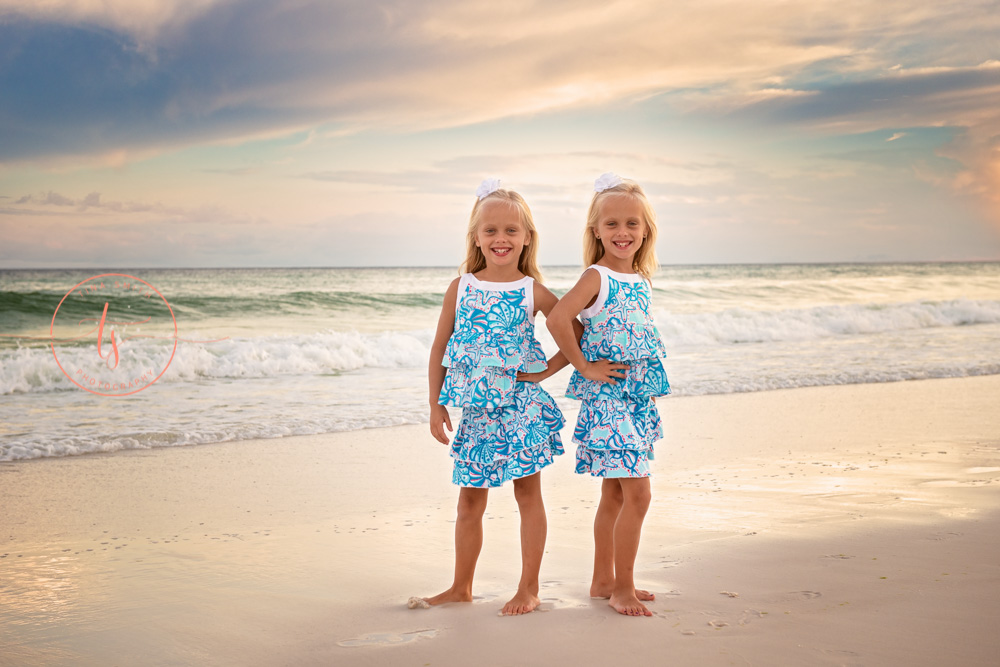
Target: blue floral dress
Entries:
(509, 429)
(618, 421)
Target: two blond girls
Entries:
(486, 360)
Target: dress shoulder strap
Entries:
(602, 295)
(529, 298)
(462, 282)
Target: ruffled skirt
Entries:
(494, 445)
(619, 422)
(615, 438)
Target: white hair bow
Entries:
(605, 181)
(487, 187)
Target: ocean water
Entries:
(265, 353)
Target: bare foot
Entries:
(603, 591)
(628, 605)
(523, 602)
(450, 595)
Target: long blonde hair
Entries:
(527, 263)
(644, 261)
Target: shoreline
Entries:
(552, 386)
(855, 524)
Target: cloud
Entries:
(235, 171)
(960, 100)
(351, 240)
(143, 19)
(93, 207)
(47, 199)
(894, 98)
(121, 78)
(415, 180)
(106, 82)
(453, 175)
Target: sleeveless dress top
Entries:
(618, 421)
(509, 429)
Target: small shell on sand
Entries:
(418, 603)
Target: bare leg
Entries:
(528, 493)
(608, 511)
(604, 538)
(468, 544)
(635, 497)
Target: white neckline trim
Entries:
(500, 287)
(619, 276)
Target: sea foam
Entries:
(738, 326)
(32, 369)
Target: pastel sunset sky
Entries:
(218, 133)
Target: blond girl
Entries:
(618, 373)
(485, 360)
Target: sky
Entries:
(261, 133)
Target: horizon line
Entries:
(439, 266)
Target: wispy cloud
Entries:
(735, 115)
(162, 74)
(55, 204)
(141, 19)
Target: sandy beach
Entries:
(845, 525)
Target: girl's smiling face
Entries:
(501, 235)
(621, 226)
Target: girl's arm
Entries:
(545, 301)
(435, 371)
(560, 324)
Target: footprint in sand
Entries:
(420, 603)
(944, 483)
(807, 595)
(750, 615)
(387, 638)
(550, 603)
(944, 536)
(844, 658)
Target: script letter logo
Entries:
(100, 337)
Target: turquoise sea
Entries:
(266, 353)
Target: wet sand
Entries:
(852, 525)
